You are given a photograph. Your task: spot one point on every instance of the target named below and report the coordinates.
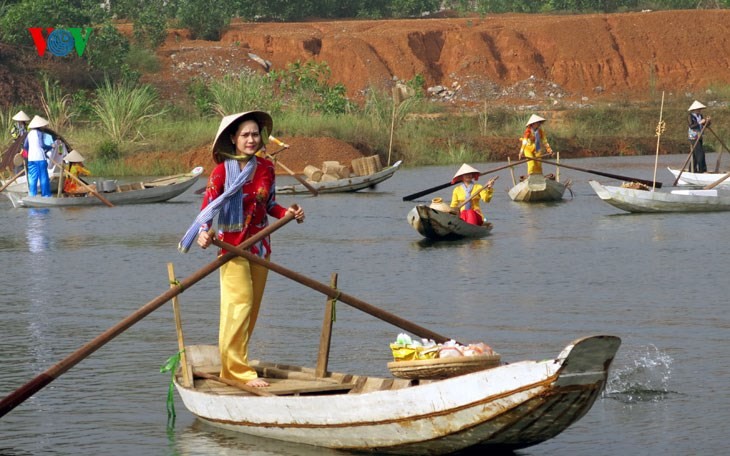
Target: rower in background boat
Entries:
(534, 143)
(467, 194)
(697, 124)
(76, 168)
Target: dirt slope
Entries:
(499, 57)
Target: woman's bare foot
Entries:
(257, 383)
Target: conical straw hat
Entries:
(534, 118)
(37, 122)
(222, 142)
(696, 105)
(465, 169)
(21, 117)
(73, 157)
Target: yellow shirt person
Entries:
(534, 144)
(76, 168)
(468, 189)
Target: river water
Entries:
(547, 274)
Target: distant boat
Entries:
(508, 407)
(153, 191)
(537, 188)
(643, 201)
(350, 184)
(699, 179)
(440, 225)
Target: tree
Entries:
(206, 20)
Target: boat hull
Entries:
(351, 184)
(644, 201)
(149, 192)
(437, 225)
(512, 406)
(536, 188)
(699, 179)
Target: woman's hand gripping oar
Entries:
(21, 394)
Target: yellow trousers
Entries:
(533, 167)
(242, 288)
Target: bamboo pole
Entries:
(659, 130)
(187, 381)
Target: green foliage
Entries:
(410, 8)
(206, 20)
(201, 95)
(245, 92)
(306, 86)
(56, 104)
(123, 108)
(142, 60)
(19, 16)
(109, 51)
(150, 25)
(81, 105)
(108, 150)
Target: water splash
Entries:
(643, 377)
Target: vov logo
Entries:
(60, 42)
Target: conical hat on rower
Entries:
(21, 117)
(534, 118)
(73, 157)
(37, 122)
(696, 105)
(465, 169)
(222, 142)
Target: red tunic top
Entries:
(259, 200)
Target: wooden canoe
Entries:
(642, 201)
(351, 184)
(699, 179)
(512, 406)
(437, 225)
(153, 191)
(537, 188)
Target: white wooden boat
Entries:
(153, 191)
(537, 188)
(351, 184)
(699, 179)
(508, 407)
(633, 200)
(20, 185)
(438, 225)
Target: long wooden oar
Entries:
(335, 294)
(691, 150)
(476, 195)
(27, 390)
(716, 183)
(600, 173)
(717, 165)
(12, 179)
(449, 184)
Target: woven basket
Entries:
(440, 368)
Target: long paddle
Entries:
(12, 179)
(691, 150)
(334, 293)
(716, 183)
(717, 165)
(18, 396)
(600, 173)
(449, 184)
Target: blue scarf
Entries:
(229, 204)
(467, 190)
(536, 133)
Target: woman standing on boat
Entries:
(697, 124)
(241, 190)
(37, 143)
(534, 143)
(469, 189)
